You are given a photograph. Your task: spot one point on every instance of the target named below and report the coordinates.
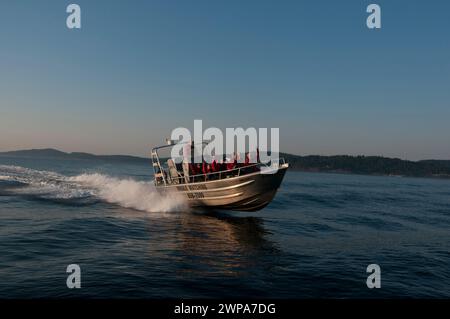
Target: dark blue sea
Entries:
(314, 240)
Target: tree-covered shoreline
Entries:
(367, 165)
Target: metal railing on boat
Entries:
(165, 178)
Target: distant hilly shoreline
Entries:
(53, 153)
(367, 165)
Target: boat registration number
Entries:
(195, 195)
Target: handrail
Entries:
(281, 159)
(227, 172)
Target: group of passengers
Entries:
(224, 168)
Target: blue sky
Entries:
(138, 69)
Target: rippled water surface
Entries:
(315, 239)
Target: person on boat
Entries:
(214, 168)
(214, 165)
(231, 164)
(159, 177)
(208, 172)
(193, 169)
(247, 159)
(199, 171)
(246, 163)
(223, 164)
(205, 169)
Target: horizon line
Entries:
(141, 157)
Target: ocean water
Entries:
(314, 240)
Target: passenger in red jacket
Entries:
(214, 167)
(193, 169)
(230, 164)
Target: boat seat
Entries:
(173, 172)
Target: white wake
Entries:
(130, 193)
(126, 192)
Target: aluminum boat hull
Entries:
(249, 192)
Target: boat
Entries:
(248, 187)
